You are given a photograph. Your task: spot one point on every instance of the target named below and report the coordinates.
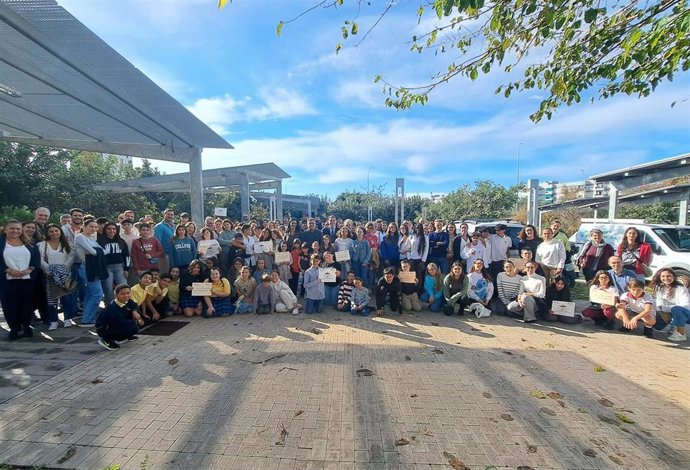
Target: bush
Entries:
(21, 214)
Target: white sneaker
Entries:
(68, 323)
(666, 329)
(53, 326)
(295, 311)
(678, 337)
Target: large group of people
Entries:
(143, 271)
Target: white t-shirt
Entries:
(499, 247)
(637, 305)
(17, 258)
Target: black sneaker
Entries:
(109, 345)
(14, 335)
(132, 338)
(648, 332)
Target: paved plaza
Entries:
(336, 391)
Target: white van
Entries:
(670, 243)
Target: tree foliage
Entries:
(564, 47)
(485, 200)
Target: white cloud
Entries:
(280, 103)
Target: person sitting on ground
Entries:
(481, 287)
(174, 291)
(191, 304)
(409, 293)
(508, 287)
(157, 301)
(559, 292)
(120, 320)
(218, 304)
(245, 286)
(138, 294)
(265, 298)
(636, 305)
(285, 299)
(602, 314)
(260, 270)
(672, 303)
(345, 292)
(530, 299)
(433, 288)
(388, 287)
(359, 301)
(455, 286)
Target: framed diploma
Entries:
(565, 309)
(283, 257)
(327, 274)
(342, 255)
(201, 289)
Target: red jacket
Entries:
(645, 256)
(140, 248)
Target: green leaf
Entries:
(279, 28)
(538, 394)
(377, 78)
(591, 15)
(623, 417)
(222, 3)
(354, 28)
(338, 47)
(599, 369)
(473, 73)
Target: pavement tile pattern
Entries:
(335, 391)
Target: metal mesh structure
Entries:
(62, 86)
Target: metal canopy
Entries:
(259, 176)
(62, 86)
(645, 173)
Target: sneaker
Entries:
(666, 329)
(53, 326)
(69, 323)
(678, 337)
(87, 325)
(648, 332)
(14, 335)
(109, 345)
(295, 311)
(133, 338)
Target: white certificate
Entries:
(263, 247)
(600, 296)
(408, 277)
(283, 257)
(327, 274)
(565, 309)
(201, 289)
(220, 211)
(342, 255)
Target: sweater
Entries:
(454, 289)
(430, 287)
(265, 295)
(508, 287)
(360, 297)
(313, 287)
(182, 252)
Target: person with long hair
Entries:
(40, 302)
(508, 288)
(634, 253)
(117, 259)
(602, 314)
(19, 262)
(481, 286)
(455, 286)
(528, 238)
(361, 256)
(57, 258)
(218, 303)
(460, 240)
(419, 250)
(433, 288)
(530, 299)
(286, 300)
(344, 243)
(559, 292)
(594, 255)
(404, 243)
(672, 302)
(184, 248)
(191, 304)
(92, 271)
(191, 231)
(388, 248)
(208, 247)
(245, 286)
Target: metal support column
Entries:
(244, 196)
(399, 200)
(279, 201)
(613, 200)
(196, 188)
(683, 212)
(272, 208)
(533, 201)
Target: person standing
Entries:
(41, 216)
(500, 250)
(438, 247)
(164, 231)
(92, 270)
(594, 255)
(550, 256)
(146, 250)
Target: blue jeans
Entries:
(92, 298)
(116, 276)
(364, 312)
(436, 306)
(313, 306)
(331, 295)
(361, 272)
(442, 264)
(680, 316)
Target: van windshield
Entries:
(677, 239)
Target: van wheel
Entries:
(683, 276)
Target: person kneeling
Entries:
(388, 286)
(120, 320)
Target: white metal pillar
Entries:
(683, 212)
(399, 200)
(244, 196)
(196, 188)
(279, 201)
(613, 200)
(533, 201)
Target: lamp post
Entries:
(517, 181)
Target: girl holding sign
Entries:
(603, 314)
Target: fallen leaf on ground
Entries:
(581, 410)
(96, 381)
(67, 455)
(599, 369)
(532, 449)
(616, 460)
(506, 417)
(605, 402)
(427, 432)
(561, 402)
(437, 351)
(433, 323)
(538, 394)
(283, 436)
(414, 395)
(625, 418)
(298, 412)
(401, 442)
(590, 453)
(549, 345)
(670, 374)
(554, 395)
(524, 467)
(487, 395)
(531, 347)
(454, 462)
(547, 411)
(523, 340)
(364, 373)
(173, 361)
(507, 352)
(408, 358)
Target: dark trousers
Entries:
(294, 282)
(17, 303)
(119, 332)
(40, 299)
(393, 301)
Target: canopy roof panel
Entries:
(62, 86)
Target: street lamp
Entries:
(517, 181)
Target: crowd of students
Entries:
(145, 271)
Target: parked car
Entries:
(670, 243)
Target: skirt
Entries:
(222, 305)
(189, 301)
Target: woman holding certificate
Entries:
(208, 247)
(672, 302)
(189, 303)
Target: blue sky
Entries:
(319, 116)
